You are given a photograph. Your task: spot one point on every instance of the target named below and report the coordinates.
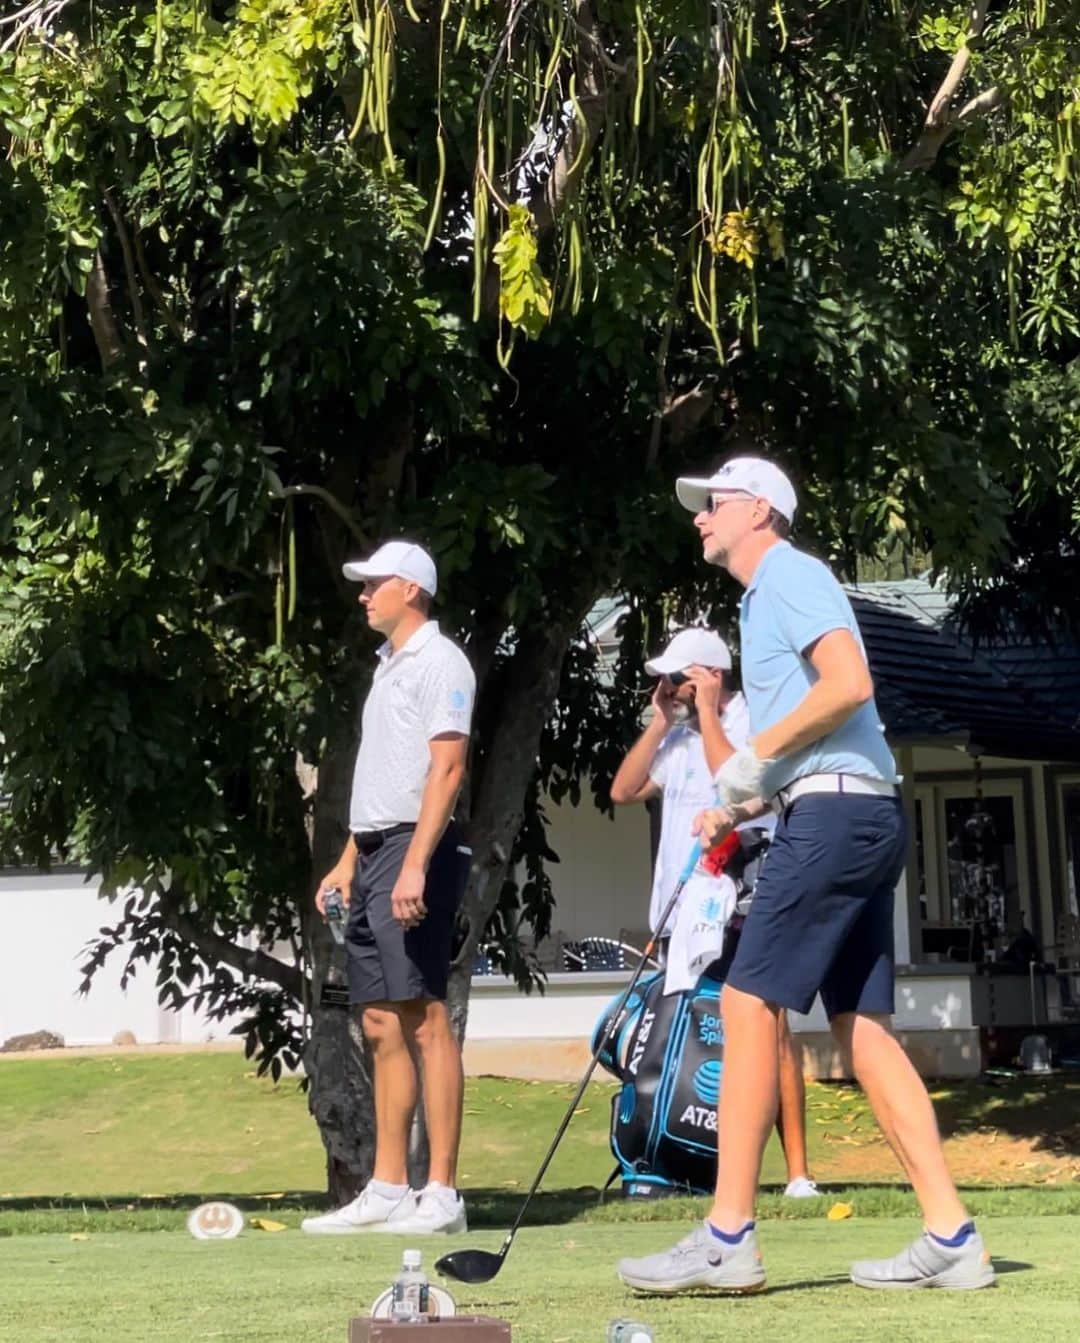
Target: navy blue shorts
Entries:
(388, 963)
(822, 914)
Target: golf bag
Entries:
(667, 1051)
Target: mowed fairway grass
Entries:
(96, 1148)
(558, 1284)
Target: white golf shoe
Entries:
(437, 1211)
(371, 1210)
(802, 1187)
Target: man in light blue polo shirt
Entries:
(822, 918)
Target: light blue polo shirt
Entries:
(791, 601)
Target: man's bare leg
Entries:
(791, 1121)
(748, 1101)
(905, 1113)
(428, 1022)
(395, 1088)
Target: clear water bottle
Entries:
(629, 1331)
(410, 1299)
(335, 913)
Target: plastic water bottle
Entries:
(335, 913)
(629, 1331)
(409, 1302)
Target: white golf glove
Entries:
(739, 778)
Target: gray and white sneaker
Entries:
(371, 1210)
(698, 1260)
(928, 1263)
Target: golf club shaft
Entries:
(613, 1023)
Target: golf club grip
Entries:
(612, 1026)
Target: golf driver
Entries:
(482, 1265)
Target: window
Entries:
(973, 863)
(981, 862)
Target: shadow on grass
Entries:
(1044, 1109)
(1010, 1266)
(495, 1209)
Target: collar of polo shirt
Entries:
(413, 644)
(759, 572)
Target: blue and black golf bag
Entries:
(667, 1051)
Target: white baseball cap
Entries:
(396, 559)
(691, 648)
(742, 475)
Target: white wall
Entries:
(603, 878)
(46, 923)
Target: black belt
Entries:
(370, 841)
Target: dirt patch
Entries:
(1020, 1132)
(985, 1157)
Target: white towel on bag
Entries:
(697, 938)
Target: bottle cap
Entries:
(411, 1259)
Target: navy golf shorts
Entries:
(388, 963)
(822, 915)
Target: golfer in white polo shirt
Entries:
(403, 873)
(699, 720)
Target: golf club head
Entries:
(469, 1265)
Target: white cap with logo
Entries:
(742, 475)
(691, 648)
(396, 559)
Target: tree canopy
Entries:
(282, 277)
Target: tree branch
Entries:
(942, 117)
(129, 269)
(216, 949)
(155, 291)
(582, 133)
(103, 323)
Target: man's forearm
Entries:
(749, 811)
(633, 773)
(436, 807)
(715, 740)
(348, 854)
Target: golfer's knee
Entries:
(381, 1025)
(862, 1038)
(740, 1010)
(431, 1028)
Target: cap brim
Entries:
(693, 492)
(664, 665)
(356, 571)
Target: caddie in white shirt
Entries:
(403, 873)
(699, 721)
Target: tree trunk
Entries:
(526, 696)
(336, 1061)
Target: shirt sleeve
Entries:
(808, 602)
(446, 701)
(736, 722)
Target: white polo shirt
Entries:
(423, 690)
(680, 769)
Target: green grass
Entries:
(557, 1287)
(132, 1141)
(95, 1147)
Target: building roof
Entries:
(934, 686)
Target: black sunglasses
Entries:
(678, 678)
